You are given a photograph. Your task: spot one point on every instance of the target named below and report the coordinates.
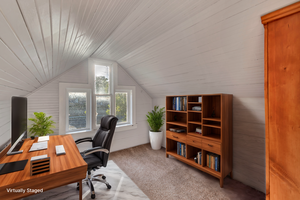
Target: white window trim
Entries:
(63, 91)
(88, 110)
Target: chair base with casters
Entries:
(97, 156)
(89, 181)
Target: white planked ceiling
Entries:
(40, 39)
(167, 46)
(190, 47)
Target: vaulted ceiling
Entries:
(215, 45)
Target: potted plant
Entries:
(41, 125)
(155, 120)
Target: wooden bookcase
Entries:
(215, 120)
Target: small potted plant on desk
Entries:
(41, 125)
(155, 120)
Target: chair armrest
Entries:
(86, 139)
(95, 149)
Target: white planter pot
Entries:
(156, 139)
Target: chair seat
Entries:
(92, 161)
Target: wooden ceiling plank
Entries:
(12, 14)
(75, 6)
(11, 65)
(31, 17)
(85, 30)
(92, 48)
(79, 18)
(43, 12)
(55, 14)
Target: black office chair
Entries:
(97, 156)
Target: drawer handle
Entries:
(193, 140)
(210, 145)
(175, 137)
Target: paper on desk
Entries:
(43, 138)
(38, 157)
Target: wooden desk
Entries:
(64, 169)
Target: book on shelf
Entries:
(180, 103)
(217, 163)
(199, 157)
(174, 104)
(178, 130)
(212, 166)
(213, 161)
(181, 149)
(199, 99)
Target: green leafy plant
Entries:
(156, 119)
(41, 124)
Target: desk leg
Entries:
(80, 189)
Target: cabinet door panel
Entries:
(284, 106)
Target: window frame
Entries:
(88, 109)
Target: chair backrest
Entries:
(104, 135)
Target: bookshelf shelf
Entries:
(194, 111)
(193, 122)
(213, 119)
(215, 122)
(214, 137)
(177, 111)
(216, 173)
(178, 123)
(194, 134)
(213, 126)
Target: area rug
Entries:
(122, 188)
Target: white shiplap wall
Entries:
(5, 110)
(46, 99)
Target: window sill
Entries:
(119, 128)
(75, 132)
(126, 127)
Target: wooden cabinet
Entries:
(215, 121)
(282, 100)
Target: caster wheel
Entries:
(77, 188)
(108, 186)
(93, 196)
(103, 177)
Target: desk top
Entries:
(62, 163)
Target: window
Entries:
(77, 117)
(123, 106)
(74, 108)
(81, 106)
(110, 100)
(102, 84)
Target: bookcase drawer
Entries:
(211, 146)
(193, 141)
(181, 137)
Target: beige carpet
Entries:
(167, 178)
